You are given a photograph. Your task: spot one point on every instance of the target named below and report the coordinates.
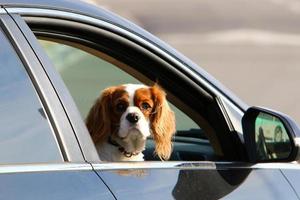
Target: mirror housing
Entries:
(270, 136)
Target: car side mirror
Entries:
(270, 136)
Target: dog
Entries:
(124, 116)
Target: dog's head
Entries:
(130, 113)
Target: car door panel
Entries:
(53, 185)
(197, 182)
(263, 184)
(293, 177)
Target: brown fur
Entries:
(97, 121)
(163, 124)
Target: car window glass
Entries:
(25, 133)
(86, 75)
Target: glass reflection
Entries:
(25, 135)
(271, 137)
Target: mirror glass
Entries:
(271, 137)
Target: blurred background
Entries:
(252, 47)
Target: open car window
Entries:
(87, 73)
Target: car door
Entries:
(40, 157)
(223, 174)
(195, 181)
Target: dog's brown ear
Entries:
(98, 120)
(163, 124)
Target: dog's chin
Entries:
(134, 142)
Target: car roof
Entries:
(47, 3)
(74, 6)
(105, 15)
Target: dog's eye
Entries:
(145, 106)
(121, 107)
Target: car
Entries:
(56, 56)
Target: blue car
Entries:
(55, 58)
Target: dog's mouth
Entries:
(133, 133)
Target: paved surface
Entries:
(252, 47)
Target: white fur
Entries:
(132, 136)
(142, 125)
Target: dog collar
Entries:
(122, 149)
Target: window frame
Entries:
(231, 141)
(58, 120)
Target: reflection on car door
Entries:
(195, 181)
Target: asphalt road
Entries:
(252, 47)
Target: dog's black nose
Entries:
(132, 118)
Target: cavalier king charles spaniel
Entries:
(124, 116)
